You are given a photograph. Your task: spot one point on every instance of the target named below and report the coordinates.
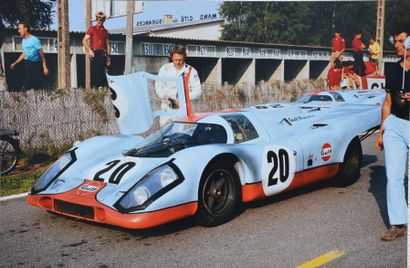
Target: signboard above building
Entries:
(114, 8)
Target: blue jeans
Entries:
(396, 148)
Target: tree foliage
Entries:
(305, 22)
(37, 13)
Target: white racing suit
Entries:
(169, 89)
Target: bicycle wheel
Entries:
(9, 155)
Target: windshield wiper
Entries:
(164, 143)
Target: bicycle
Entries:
(9, 150)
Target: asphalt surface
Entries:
(283, 231)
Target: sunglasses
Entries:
(100, 18)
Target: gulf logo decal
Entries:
(89, 188)
(326, 152)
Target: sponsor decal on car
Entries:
(278, 169)
(89, 188)
(326, 152)
(299, 117)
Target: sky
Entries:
(153, 10)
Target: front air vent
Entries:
(74, 209)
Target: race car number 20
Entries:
(114, 171)
(280, 163)
(278, 169)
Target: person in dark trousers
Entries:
(98, 51)
(394, 134)
(34, 59)
(358, 46)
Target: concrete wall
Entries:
(318, 69)
(296, 70)
(148, 64)
(269, 70)
(236, 71)
(208, 69)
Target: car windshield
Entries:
(176, 136)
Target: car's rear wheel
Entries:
(219, 195)
(349, 171)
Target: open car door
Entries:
(136, 103)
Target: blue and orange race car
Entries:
(204, 165)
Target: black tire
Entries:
(349, 171)
(9, 155)
(219, 195)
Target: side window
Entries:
(242, 128)
(320, 98)
(337, 96)
(209, 134)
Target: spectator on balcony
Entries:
(338, 47)
(374, 51)
(358, 46)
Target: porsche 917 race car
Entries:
(204, 165)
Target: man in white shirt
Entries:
(167, 91)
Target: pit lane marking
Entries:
(321, 260)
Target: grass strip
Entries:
(17, 184)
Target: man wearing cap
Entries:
(99, 50)
(338, 47)
(394, 134)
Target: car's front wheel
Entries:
(349, 171)
(219, 195)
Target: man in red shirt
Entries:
(358, 46)
(338, 47)
(98, 51)
(334, 76)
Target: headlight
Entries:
(54, 171)
(150, 187)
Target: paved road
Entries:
(284, 231)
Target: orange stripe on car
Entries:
(251, 192)
(313, 175)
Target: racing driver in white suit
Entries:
(167, 91)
